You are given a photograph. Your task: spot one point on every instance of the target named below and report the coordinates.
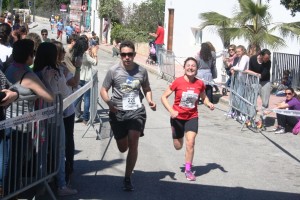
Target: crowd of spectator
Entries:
(33, 64)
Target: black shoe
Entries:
(127, 186)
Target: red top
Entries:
(160, 32)
(186, 97)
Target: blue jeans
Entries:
(61, 175)
(158, 48)
(86, 107)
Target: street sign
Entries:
(83, 8)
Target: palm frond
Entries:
(291, 30)
(214, 19)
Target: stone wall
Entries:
(142, 48)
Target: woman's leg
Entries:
(190, 143)
(70, 146)
(209, 92)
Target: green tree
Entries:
(145, 16)
(292, 5)
(251, 22)
(113, 9)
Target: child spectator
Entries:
(286, 82)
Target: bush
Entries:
(120, 33)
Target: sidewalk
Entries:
(141, 60)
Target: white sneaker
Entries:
(280, 131)
(66, 191)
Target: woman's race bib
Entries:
(188, 99)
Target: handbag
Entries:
(296, 128)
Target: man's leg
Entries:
(265, 93)
(131, 143)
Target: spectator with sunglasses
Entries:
(44, 34)
(230, 60)
(291, 103)
(127, 113)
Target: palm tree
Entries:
(251, 22)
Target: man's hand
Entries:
(112, 107)
(9, 98)
(152, 105)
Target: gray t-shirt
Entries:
(126, 86)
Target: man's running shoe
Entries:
(127, 186)
(190, 176)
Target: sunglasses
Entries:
(288, 93)
(230, 49)
(130, 54)
(45, 34)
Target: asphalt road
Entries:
(228, 163)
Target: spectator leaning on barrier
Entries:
(260, 65)
(69, 113)
(127, 113)
(291, 103)
(45, 66)
(19, 71)
(85, 76)
(7, 96)
(19, 74)
(241, 65)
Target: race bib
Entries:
(131, 101)
(188, 99)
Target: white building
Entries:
(187, 36)
(95, 20)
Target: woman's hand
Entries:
(10, 97)
(174, 114)
(211, 106)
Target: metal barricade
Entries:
(244, 91)
(93, 86)
(94, 102)
(166, 68)
(30, 145)
(283, 61)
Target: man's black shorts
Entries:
(123, 121)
